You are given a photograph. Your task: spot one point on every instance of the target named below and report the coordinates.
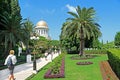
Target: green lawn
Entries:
(77, 72)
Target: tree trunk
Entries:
(7, 49)
(27, 48)
(10, 46)
(5, 54)
(81, 42)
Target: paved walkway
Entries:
(21, 72)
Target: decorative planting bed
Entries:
(107, 72)
(77, 57)
(61, 74)
(84, 63)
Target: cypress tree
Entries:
(10, 6)
(15, 8)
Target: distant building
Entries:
(42, 29)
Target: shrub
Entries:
(57, 68)
(114, 60)
(77, 57)
(102, 51)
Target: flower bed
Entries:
(84, 63)
(82, 57)
(107, 72)
(61, 74)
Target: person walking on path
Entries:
(10, 61)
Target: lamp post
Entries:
(34, 60)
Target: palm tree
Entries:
(68, 40)
(83, 25)
(12, 32)
(28, 30)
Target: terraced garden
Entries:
(74, 71)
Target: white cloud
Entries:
(71, 8)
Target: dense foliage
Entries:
(117, 39)
(114, 59)
(57, 63)
(101, 51)
(42, 45)
(13, 29)
(78, 28)
(10, 21)
(27, 26)
(108, 45)
(57, 68)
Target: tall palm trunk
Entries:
(27, 47)
(81, 42)
(7, 49)
(10, 46)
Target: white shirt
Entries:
(13, 57)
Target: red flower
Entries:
(108, 78)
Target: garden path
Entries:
(23, 71)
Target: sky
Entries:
(54, 12)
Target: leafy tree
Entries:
(10, 19)
(89, 42)
(55, 43)
(68, 42)
(117, 39)
(12, 7)
(15, 8)
(108, 45)
(41, 38)
(96, 44)
(82, 25)
(12, 32)
(2, 10)
(40, 44)
(27, 27)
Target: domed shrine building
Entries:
(42, 29)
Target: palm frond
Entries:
(73, 14)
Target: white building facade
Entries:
(42, 29)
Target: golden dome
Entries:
(41, 24)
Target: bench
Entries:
(107, 72)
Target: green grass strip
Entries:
(76, 72)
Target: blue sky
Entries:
(54, 12)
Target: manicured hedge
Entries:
(114, 60)
(102, 51)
